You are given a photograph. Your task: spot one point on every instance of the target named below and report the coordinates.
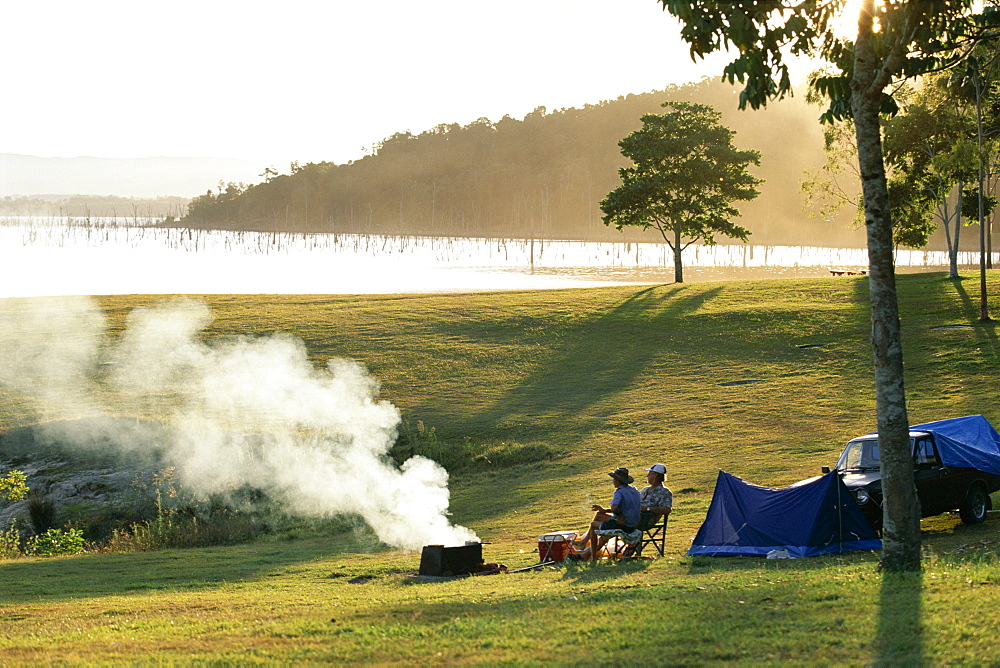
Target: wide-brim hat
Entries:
(621, 475)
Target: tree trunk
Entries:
(678, 266)
(901, 512)
(953, 252)
(989, 242)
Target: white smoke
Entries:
(240, 411)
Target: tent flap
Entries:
(808, 519)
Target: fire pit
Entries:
(441, 561)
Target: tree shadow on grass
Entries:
(94, 576)
(740, 562)
(598, 359)
(899, 633)
(988, 328)
(900, 630)
(595, 360)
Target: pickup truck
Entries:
(956, 467)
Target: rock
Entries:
(84, 479)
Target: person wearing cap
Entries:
(656, 500)
(623, 514)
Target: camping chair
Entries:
(654, 532)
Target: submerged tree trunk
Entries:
(901, 512)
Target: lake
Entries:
(49, 257)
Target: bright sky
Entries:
(310, 80)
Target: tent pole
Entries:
(840, 514)
(736, 534)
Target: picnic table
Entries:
(849, 272)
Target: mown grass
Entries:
(598, 379)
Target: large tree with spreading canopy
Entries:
(895, 39)
(683, 180)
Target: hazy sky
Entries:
(312, 80)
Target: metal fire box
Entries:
(439, 560)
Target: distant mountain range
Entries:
(22, 175)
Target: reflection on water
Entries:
(65, 256)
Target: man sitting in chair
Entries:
(622, 516)
(655, 500)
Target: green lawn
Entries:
(599, 378)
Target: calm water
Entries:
(63, 257)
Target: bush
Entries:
(162, 533)
(42, 512)
(10, 542)
(241, 516)
(56, 542)
(179, 530)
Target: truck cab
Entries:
(940, 488)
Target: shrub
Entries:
(42, 512)
(56, 542)
(242, 516)
(158, 534)
(14, 486)
(10, 542)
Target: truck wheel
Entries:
(973, 511)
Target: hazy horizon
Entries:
(36, 176)
(315, 82)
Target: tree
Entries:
(895, 38)
(685, 175)
(911, 192)
(979, 75)
(930, 150)
(835, 184)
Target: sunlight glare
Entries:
(845, 25)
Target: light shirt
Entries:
(657, 497)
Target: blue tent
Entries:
(806, 519)
(966, 441)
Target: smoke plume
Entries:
(249, 410)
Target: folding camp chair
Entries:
(654, 532)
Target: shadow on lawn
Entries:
(92, 576)
(988, 329)
(598, 359)
(899, 633)
(900, 638)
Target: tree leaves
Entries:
(684, 177)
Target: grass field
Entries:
(598, 378)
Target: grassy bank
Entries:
(592, 379)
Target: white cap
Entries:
(658, 468)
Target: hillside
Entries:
(542, 176)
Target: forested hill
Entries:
(540, 177)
